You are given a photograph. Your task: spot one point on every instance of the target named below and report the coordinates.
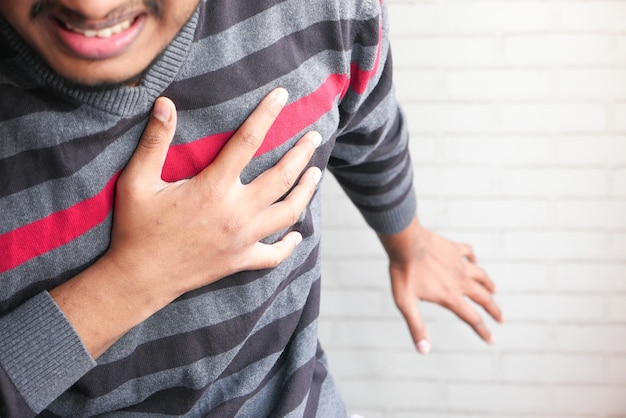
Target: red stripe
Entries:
(32, 240)
(55, 230)
(187, 160)
(360, 79)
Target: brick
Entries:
(553, 118)
(620, 117)
(617, 369)
(591, 84)
(340, 212)
(591, 277)
(453, 181)
(595, 149)
(418, 84)
(523, 335)
(539, 245)
(350, 243)
(553, 307)
(492, 213)
(619, 183)
(605, 16)
(592, 399)
(449, 51)
(591, 214)
(454, 336)
(618, 246)
(620, 49)
(350, 364)
(352, 303)
(359, 273)
(500, 84)
(498, 149)
(369, 393)
(473, 367)
(410, 18)
(617, 308)
(557, 49)
(451, 118)
(498, 397)
(492, 16)
(431, 211)
(554, 182)
(602, 337)
(512, 277)
(552, 368)
(369, 334)
(424, 149)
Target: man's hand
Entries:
(196, 231)
(170, 238)
(427, 267)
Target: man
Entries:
(157, 260)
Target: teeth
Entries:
(101, 33)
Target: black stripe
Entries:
(349, 121)
(164, 353)
(12, 405)
(222, 14)
(379, 156)
(16, 102)
(32, 167)
(319, 376)
(383, 208)
(255, 70)
(35, 288)
(180, 400)
(377, 189)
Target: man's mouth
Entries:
(104, 32)
(100, 41)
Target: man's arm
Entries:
(371, 161)
(167, 239)
(427, 267)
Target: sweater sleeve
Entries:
(41, 356)
(370, 159)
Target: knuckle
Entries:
(151, 138)
(286, 178)
(273, 110)
(250, 139)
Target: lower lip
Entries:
(99, 48)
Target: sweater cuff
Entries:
(41, 352)
(393, 220)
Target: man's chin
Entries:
(91, 83)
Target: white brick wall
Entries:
(517, 110)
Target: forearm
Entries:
(406, 245)
(102, 304)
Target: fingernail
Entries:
(317, 175)
(423, 346)
(491, 340)
(281, 96)
(162, 112)
(297, 238)
(316, 138)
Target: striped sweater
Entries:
(246, 345)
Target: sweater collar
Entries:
(122, 101)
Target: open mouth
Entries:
(99, 41)
(102, 33)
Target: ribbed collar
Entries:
(122, 101)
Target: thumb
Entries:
(149, 157)
(417, 328)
